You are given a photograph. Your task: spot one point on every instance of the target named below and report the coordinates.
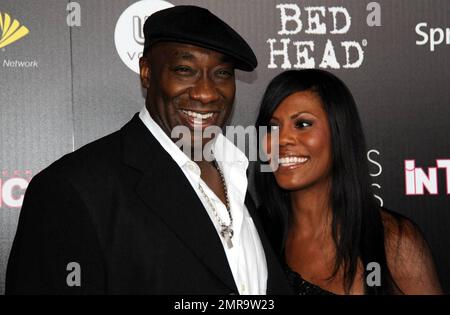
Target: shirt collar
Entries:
(226, 152)
(164, 140)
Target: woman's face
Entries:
(304, 142)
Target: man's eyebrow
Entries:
(183, 55)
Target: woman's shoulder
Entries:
(408, 255)
(399, 228)
(403, 237)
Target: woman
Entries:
(319, 208)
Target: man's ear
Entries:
(145, 71)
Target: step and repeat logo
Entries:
(296, 47)
(376, 169)
(12, 187)
(419, 181)
(129, 36)
(432, 37)
(10, 30)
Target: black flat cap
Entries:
(198, 26)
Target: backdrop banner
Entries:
(69, 75)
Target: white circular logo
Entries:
(129, 35)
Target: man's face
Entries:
(188, 86)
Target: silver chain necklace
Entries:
(226, 230)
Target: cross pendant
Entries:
(227, 234)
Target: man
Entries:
(132, 213)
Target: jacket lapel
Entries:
(166, 191)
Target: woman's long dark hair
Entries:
(357, 227)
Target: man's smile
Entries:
(198, 119)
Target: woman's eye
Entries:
(303, 124)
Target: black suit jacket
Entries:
(122, 209)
